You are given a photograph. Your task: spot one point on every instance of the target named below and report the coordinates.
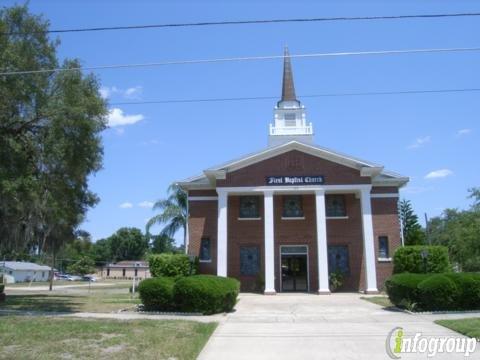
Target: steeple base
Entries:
(274, 140)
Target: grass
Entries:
(97, 299)
(42, 283)
(378, 300)
(59, 338)
(469, 327)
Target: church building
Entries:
(295, 214)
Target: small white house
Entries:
(19, 271)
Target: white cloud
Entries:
(419, 142)
(133, 92)
(439, 174)
(463, 132)
(107, 91)
(116, 117)
(146, 204)
(126, 205)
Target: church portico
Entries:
(291, 216)
(308, 230)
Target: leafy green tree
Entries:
(50, 126)
(413, 233)
(83, 266)
(128, 244)
(162, 244)
(73, 251)
(173, 213)
(101, 252)
(459, 230)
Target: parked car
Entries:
(60, 276)
(73, 278)
(90, 278)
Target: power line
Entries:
(371, 93)
(248, 22)
(238, 59)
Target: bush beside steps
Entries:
(206, 294)
(435, 292)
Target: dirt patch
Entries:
(113, 349)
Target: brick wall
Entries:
(349, 232)
(294, 163)
(244, 233)
(203, 223)
(385, 223)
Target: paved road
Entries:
(57, 287)
(338, 326)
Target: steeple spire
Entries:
(288, 88)
(290, 121)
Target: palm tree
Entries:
(173, 213)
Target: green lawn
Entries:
(24, 337)
(378, 300)
(97, 299)
(469, 327)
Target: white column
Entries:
(222, 234)
(322, 249)
(368, 242)
(269, 244)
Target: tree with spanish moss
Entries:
(50, 139)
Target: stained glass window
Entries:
(335, 205)
(292, 206)
(249, 260)
(249, 207)
(338, 259)
(205, 253)
(383, 247)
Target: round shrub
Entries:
(469, 290)
(438, 292)
(157, 293)
(402, 289)
(206, 294)
(170, 265)
(409, 259)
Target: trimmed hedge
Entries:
(402, 288)
(450, 291)
(469, 289)
(438, 292)
(157, 293)
(207, 294)
(170, 265)
(409, 259)
(2, 287)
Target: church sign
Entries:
(295, 180)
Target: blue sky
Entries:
(415, 135)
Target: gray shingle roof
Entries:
(20, 265)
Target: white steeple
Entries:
(290, 121)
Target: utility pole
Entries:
(427, 232)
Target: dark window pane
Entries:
(338, 259)
(335, 205)
(292, 206)
(383, 247)
(249, 207)
(205, 253)
(249, 260)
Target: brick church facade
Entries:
(288, 217)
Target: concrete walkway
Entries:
(301, 326)
(124, 315)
